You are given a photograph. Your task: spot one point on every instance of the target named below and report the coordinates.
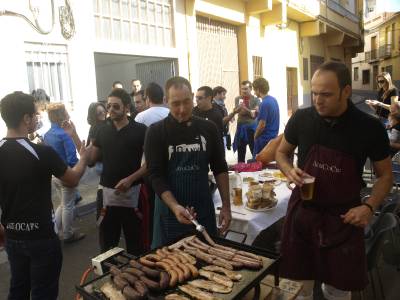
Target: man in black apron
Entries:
(179, 151)
(323, 237)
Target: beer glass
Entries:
(307, 189)
(237, 198)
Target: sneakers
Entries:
(76, 236)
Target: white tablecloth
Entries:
(250, 222)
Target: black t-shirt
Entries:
(121, 151)
(93, 131)
(214, 114)
(169, 132)
(25, 188)
(355, 133)
(380, 111)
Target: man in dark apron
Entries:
(323, 237)
(179, 151)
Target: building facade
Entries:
(381, 50)
(211, 42)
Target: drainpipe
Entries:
(187, 40)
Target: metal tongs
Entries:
(200, 228)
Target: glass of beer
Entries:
(237, 198)
(307, 189)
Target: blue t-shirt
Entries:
(62, 143)
(269, 113)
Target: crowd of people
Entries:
(153, 151)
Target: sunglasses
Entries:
(381, 81)
(115, 106)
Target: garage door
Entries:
(218, 56)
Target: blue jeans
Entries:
(35, 268)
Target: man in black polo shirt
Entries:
(207, 110)
(32, 245)
(323, 236)
(120, 144)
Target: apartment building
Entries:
(381, 50)
(213, 42)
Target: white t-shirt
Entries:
(152, 115)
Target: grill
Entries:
(250, 278)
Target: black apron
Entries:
(316, 244)
(188, 181)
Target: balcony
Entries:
(385, 51)
(342, 11)
(371, 56)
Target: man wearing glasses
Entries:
(206, 110)
(120, 144)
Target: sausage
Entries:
(185, 269)
(135, 264)
(164, 280)
(181, 258)
(198, 246)
(160, 253)
(181, 276)
(152, 273)
(187, 246)
(193, 270)
(251, 255)
(221, 253)
(120, 282)
(115, 271)
(173, 280)
(247, 263)
(169, 261)
(146, 262)
(190, 258)
(204, 256)
(174, 258)
(166, 251)
(152, 285)
(163, 265)
(198, 241)
(225, 248)
(129, 277)
(134, 271)
(226, 264)
(131, 294)
(141, 288)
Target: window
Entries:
(305, 68)
(47, 68)
(315, 62)
(134, 21)
(365, 76)
(257, 67)
(355, 74)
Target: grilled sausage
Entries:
(115, 271)
(181, 276)
(152, 285)
(221, 253)
(251, 255)
(152, 273)
(163, 265)
(141, 288)
(247, 263)
(174, 259)
(134, 271)
(193, 270)
(164, 280)
(120, 282)
(169, 261)
(185, 270)
(131, 294)
(149, 260)
(160, 253)
(135, 264)
(129, 277)
(173, 280)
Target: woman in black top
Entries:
(386, 90)
(96, 115)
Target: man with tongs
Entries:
(323, 236)
(179, 151)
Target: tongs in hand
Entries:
(201, 228)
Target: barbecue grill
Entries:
(250, 278)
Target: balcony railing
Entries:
(385, 50)
(371, 55)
